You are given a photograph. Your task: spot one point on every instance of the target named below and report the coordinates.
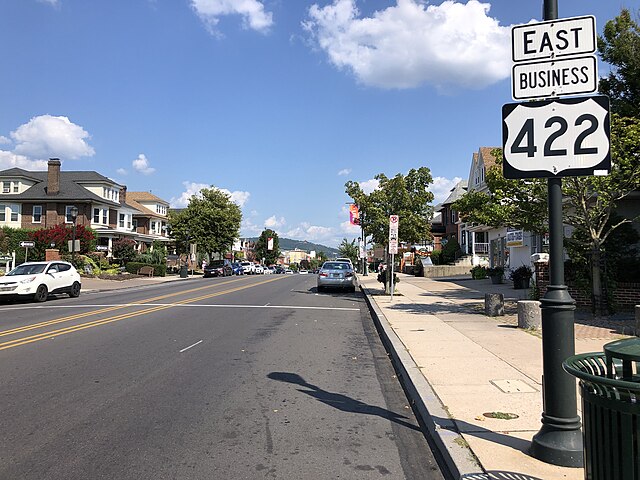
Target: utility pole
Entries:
(559, 441)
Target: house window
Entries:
(14, 212)
(6, 187)
(96, 215)
(153, 227)
(67, 214)
(37, 214)
(15, 187)
(105, 216)
(2, 213)
(122, 220)
(134, 224)
(453, 216)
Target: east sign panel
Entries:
(556, 138)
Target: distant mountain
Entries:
(290, 244)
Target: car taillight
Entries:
(322, 274)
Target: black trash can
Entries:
(183, 271)
(610, 390)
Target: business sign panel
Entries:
(568, 76)
(515, 238)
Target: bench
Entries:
(146, 270)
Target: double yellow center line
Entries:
(95, 323)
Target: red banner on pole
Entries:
(354, 214)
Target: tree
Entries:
(520, 204)
(406, 196)
(262, 246)
(211, 220)
(59, 235)
(590, 202)
(124, 249)
(620, 47)
(349, 250)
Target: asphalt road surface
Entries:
(221, 378)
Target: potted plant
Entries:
(521, 276)
(496, 274)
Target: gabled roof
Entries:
(134, 199)
(71, 188)
(456, 192)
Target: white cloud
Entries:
(314, 233)
(47, 136)
(121, 171)
(193, 189)
(350, 230)
(369, 186)
(253, 14)
(141, 164)
(4, 140)
(11, 160)
(441, 188)
(410, 44)
(238, 197)
(274, 222)
(250, 229)
(54, 3)
(344, 171)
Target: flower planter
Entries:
(521, 283)
(496, 279)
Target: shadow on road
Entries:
(339, 401)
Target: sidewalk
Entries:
(460, 366)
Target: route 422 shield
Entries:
(556, 138)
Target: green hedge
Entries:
(158, 270)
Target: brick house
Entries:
(42, 199)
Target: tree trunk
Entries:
(599, 299)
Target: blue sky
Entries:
(279, 102)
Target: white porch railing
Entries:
(481, 248)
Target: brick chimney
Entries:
(53, 176)
(123, 195)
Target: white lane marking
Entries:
(190, 346)
(291, 307)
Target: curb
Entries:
(458, 457)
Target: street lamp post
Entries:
(74, 218)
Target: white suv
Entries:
(39, 279)
(249, 267)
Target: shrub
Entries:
(478, 272)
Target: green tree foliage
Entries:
(262, 250)
(349, 249)
(211, 220)
(519, 204)
(406, 196)
(619, 46)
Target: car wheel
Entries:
(41, 294)
(75, 290)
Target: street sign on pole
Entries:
(27, 244)
(556, 138)
(554, 39)
(565, 76)
(554, 58)
(393, 234)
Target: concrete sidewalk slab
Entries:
(472, 368)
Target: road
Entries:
(220, 378)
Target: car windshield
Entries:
(28, 269)
(336, 266)
(216, 264)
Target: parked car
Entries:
(39, 279)
(345, 259)
(266, 270)
(237, 268)
(248, 267)
(303, 272)
(336, 275)
(280, 269)
(288, 271)
(258, 269)
(218, 268)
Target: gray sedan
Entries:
(336, 274)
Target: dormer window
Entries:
(6, 187)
